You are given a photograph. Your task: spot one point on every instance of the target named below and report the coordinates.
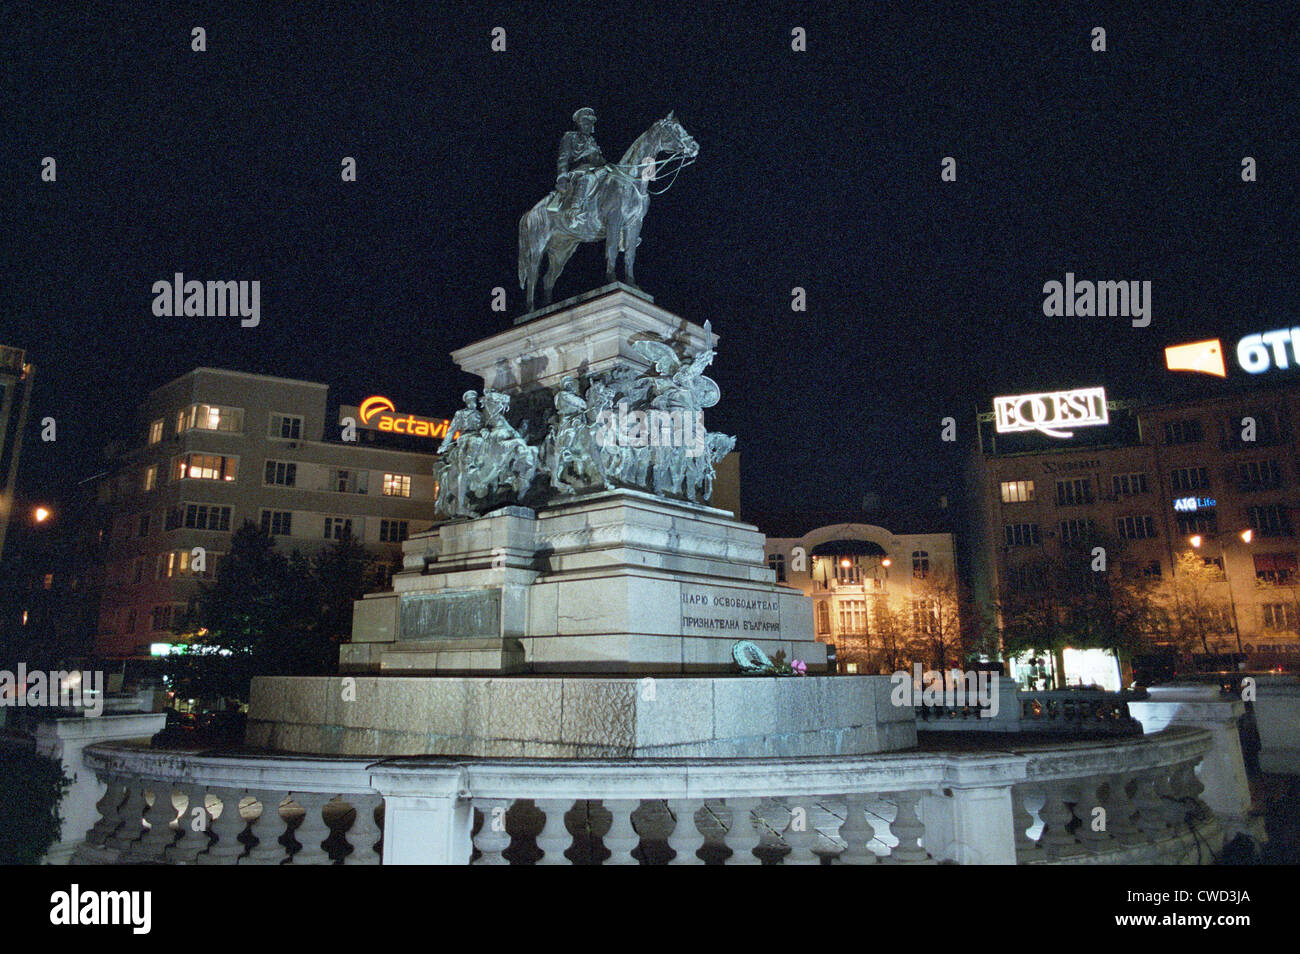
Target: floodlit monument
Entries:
(587, 663)
(583, 598)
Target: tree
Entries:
(936, 635)
(259, 618)
(1194, 605)
(1082, 600)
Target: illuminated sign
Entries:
(378, 413)
(1047, 413)
(1205, 357)
(1257, 353)
(1190, 504)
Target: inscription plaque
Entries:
(738, 614)
(469, 614)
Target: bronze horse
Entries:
(615, 206)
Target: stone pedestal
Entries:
(615, 582)
(576, 717)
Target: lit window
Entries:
(1017, 491)
(210, 417)
(853, 617)
(205, 467)
(150, 477)
(397, 485)
(155, 431)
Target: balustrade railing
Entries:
(1136, 799)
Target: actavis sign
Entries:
(1051, 411)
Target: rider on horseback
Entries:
(579, 158)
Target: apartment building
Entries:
(1217, 476)
(215, 448)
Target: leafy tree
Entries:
(259, 618)
(31, 787)
(1194, 604)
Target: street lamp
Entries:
(41, 514)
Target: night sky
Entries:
(818, 169)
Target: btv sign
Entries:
(1051, 411)
(378, 413)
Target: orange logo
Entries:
(383, 413)
(1204, 357)
(373, 405)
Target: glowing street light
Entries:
(886, 561)
(1246, 535)
(41, 514)
(1194, 540)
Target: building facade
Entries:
(881, 598)
(213, 449)
(15, 395)
(1215, 480)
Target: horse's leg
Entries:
(613, 231)
(558, 254)
(631, 238)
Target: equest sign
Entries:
(1051, 411)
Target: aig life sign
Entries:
(1051, 411)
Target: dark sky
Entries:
(818, 169)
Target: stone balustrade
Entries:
(1052, 712)
(1034, 804)
(168, 807)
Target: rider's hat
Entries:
(586, 111)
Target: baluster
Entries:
(743, 831)
(268, 827)
(908, 829)
(622, 838)
(191, 843)
(365, 833)
(312, 830)
(1152, 819)
(227, 823)
(1123, 812)
(685, 839)
(1090, 800)
(110, 813)
(1057, 817)
(1190, 788)
(1022, 820)
(856, 832)
(492, 838)
(800, 834)
(161, 817)
(554, 838)
(132, 828)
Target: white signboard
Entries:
(1051, 411)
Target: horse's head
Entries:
(673, 137)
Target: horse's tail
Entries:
(525, 248)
